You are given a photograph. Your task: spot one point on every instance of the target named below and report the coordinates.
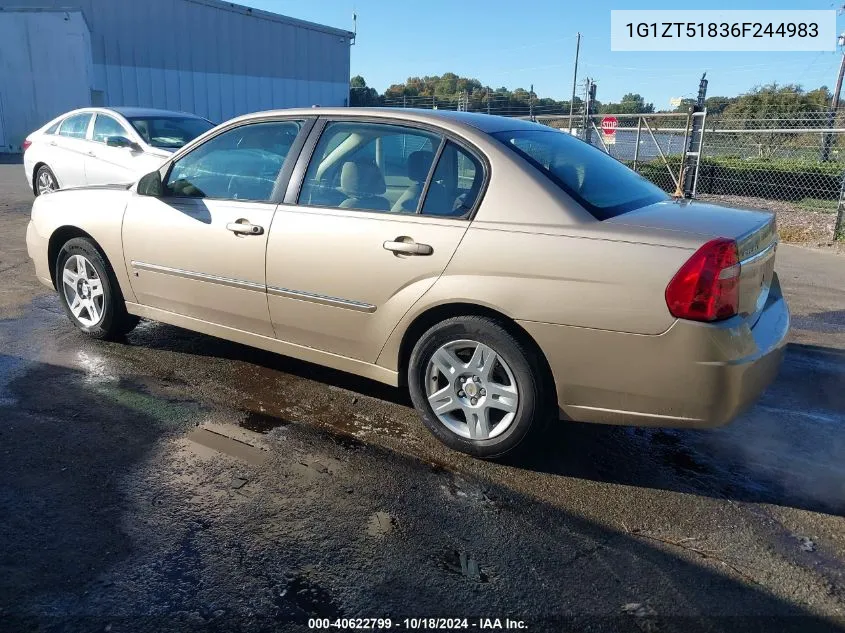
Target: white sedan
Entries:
(105, 146)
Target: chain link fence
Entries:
(796, 159)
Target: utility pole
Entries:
(831, 118)
(488, 100)
(574, 80)
(588, 110)
(531, 103)
(693, 146)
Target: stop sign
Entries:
(608, 125)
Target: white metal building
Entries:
(215, 59)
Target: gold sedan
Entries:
(504, 272)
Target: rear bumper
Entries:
(692, 375)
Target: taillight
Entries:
(26, 144)
(706, 288)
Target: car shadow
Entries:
(788, 450)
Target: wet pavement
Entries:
(176, 482)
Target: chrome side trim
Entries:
(188, 274)
(764, 253)
(323, 299)
(251, 285)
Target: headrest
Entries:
(567, 172)
(359, 180)
(419, 164)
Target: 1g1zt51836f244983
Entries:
(503, 272)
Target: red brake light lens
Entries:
(26, 144)
(706, 288)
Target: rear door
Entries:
(68, 149)
(369, 231)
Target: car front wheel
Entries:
(89, 291)
(480, 390)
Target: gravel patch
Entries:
(796, 225)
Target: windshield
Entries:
(604, 186)
(169, 132)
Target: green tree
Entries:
(632, 103)
(362, 95)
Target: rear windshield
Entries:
(604, 186)
(169, 132)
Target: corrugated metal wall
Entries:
(212, 58)
(35, 83)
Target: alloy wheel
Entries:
(46, 182)
(83, 290)
(471, 389)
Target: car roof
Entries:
(149, 112)
(487, 123)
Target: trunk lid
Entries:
(754, 232)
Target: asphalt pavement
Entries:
(177, 482)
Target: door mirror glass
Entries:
(150, 185)
(121, 141)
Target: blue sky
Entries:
(502, 43)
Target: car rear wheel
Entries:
(90, 293)
(45, 181)
(479, 389)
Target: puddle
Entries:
(10, 366)
(262, 423)
(380, 524)
(208, 444)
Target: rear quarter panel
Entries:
(98, 212)
(579, 276)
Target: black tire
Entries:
(536, 402)
(114, 322)
(38, 174)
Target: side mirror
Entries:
(122, 141)
(151, 185)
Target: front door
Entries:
(105, 165)
(199, 250)
(365, 241)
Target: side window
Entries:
(456, 183)
(53, 128)
(369, 166)
(240, 164)
(75, 126)
(105, 126)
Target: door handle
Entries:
(242, 227)
(91, 153)
(402, 247)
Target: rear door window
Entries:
(75, 126)
(369, 167)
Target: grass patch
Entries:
(818, 204)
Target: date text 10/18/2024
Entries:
(416, 624)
